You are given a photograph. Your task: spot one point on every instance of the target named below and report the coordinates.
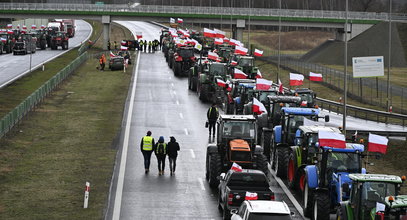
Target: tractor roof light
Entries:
(361, 141)
(391, 199)
(403, 178)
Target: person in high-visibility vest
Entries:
(212, 114)
(160, 151)
(147, 147)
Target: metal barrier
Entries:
(15, 116)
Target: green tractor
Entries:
(246, 65)
(373, 197)
(41, 36)
(208, 89)
(200, 66)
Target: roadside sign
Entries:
(368, 66)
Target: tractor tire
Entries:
(266, 144)
(322, 206)
(226, 214)
(207, 167)
(177, 68)
(292, 170)
(308, 200)
(282, 162)
(203, 93)
(261, 162)
(194, 83)
(341, 213)
(215, 168)
(189, 81)
(171, 64)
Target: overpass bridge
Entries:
(236, 17)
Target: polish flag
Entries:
(235, 167)
(331, 139)
(233, 63)
(296, 79)
(33, 26)
(377, 143)
(139, 35)
(221, 83)
(172, 20)
(226, 40)
(112, 54)
(24, 27)
(232, 42)
(180, 21)
(212, 55)
(241, 50)
(304, 103)
(258, 53)
(218, 41)
(280, 87)
(239, 74)
(219, 33)
(228, 86)
(251, 196)
(18, 26)
(123, 48)
(258, 74)
(42, 26)
(209, 33)
(9, 26)
(4, 40)
(258, 107)
(315, 77)
(263, 84)
(123, 42)
(10, 32)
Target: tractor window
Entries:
(377, 191)
(343, 162)
(218, 69)
(242, 129)
(246, 62)
(293, 123)
(306, 97)
(263, 97)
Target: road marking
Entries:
(120, 179)
(287, 192)
(172, 84)
(181, 115)
(175, 93)
(177, 102)
(201, 184)
(186, 131)
(192, 153)
(170, 76)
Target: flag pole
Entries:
(345, 87)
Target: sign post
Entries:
(368, 66)
(86, 199)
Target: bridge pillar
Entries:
(106, 30)
(353, 31)
(240, 26)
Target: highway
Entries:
(13, 67)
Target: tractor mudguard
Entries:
(311, 171)
(297, 153)
(277, 134)
(258, 149)
(212, 148)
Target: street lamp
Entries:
(389, 62)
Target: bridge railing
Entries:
(202, 10)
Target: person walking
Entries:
(102, 62)
(212, 114)
(146, 147)
(172, 148)
(160, 151)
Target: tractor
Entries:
(41, 36)
(238, 87)
(8, 41)
(284, 135)
(262, 96)
(200, 66)
(246, 65)
(325, 180)
(370, 192)
(236, 143)
(25, 44)
(208, 90)
(59, 38)
(307, 97)
(183, 59)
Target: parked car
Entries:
(262, 210)
(116, 63)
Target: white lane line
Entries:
(175, 92)
(177, 102)
(287, 192)
(186, 131)
(181, 115)
(170, 77)
(120, 180)
(201, 184)
(192, 153)
(172, 84)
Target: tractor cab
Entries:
(307, 97)
(246, 64)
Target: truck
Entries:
(57, 25)
(236, 142)
(370, 191)
(234, 185)
(261, 209)
(328, 176)
(70, 27)
(25, 44)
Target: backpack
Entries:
(160, 149)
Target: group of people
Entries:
(161, 150)
(150, 45)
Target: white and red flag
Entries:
(226, 40)
(209, 33)
(10, 32)
(221, 83)
(263, 84)
(24, 27)
(213, 56)
(258, 74)
(112, 54)
(123, 48)
(232, 42)
(304, 103)
(331, 139)
(238, 74)
(235, 167)
(315, 77)
(233, 63)
(139, 35)
(377, 143)
(219, 33)
(280, 87)
(241, 50)
(2, 39)
(9, 26)
(42, 26)
(251, 196)
(296, 79)
(218, 41)
(258, 53)
(172, 20)
(180, 20)
(33, 26)
(258, 107)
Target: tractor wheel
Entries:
(194, 83)
(214, 170)
(282, 162)
(292, 171)
(171, 63)
(203, 93)
(226, 214)
(207, 167)
(261, 162)
(341, 213)
(177, 68)
(266, 141)
(322, 206)
(273, 154)
(189, 81)
(308, 198)
(300, 181)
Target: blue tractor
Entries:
(327, 182)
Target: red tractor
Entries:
(59, 39)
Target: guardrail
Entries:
(16, 115)
(165, 9)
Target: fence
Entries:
(15, 116)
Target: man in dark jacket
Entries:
(173, 148)
(146, 147)
(160, 151)
(212, 114)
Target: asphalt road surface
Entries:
(13, 67)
